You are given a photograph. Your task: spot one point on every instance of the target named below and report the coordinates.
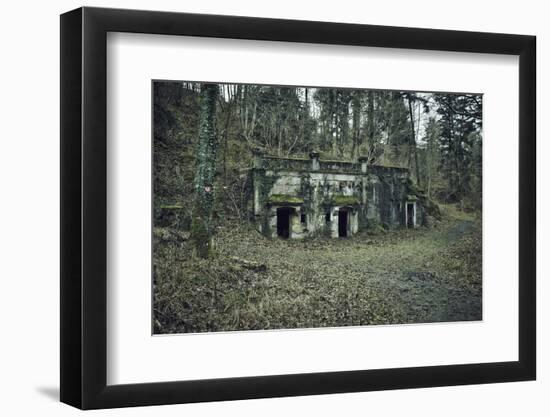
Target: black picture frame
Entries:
(84, 207)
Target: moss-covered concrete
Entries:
(320, 189)
(285, 199)
(345, 200)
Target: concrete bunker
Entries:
(299, 197)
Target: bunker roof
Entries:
(316, 164)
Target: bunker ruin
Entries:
(298, 197)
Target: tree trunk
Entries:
(207, 149)
(356, 118)
(229, 110)
(413, 141)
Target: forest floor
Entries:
(402, 276)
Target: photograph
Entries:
(292, 207)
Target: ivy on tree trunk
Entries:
(207, 149)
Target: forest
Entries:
(208, 277)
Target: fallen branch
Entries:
(252, 265)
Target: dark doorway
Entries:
(342, 223)
(410, 215)
(283, 222)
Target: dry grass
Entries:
(404, 276)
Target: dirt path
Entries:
(419, 284)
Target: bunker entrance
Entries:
(411, 221)
(343, 223)
(283, 222)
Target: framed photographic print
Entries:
(256, 208)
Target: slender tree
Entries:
(412, 98)
(432, 155)
(356, 109)
(207, 149)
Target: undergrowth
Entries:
(402, 276)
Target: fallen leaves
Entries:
(404, 276)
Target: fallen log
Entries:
(252, 265)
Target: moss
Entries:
(337, 161)
(285, 199)
(265, 183)
(390, 166)
(307, 191)
(345, 200)
(285, 158)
